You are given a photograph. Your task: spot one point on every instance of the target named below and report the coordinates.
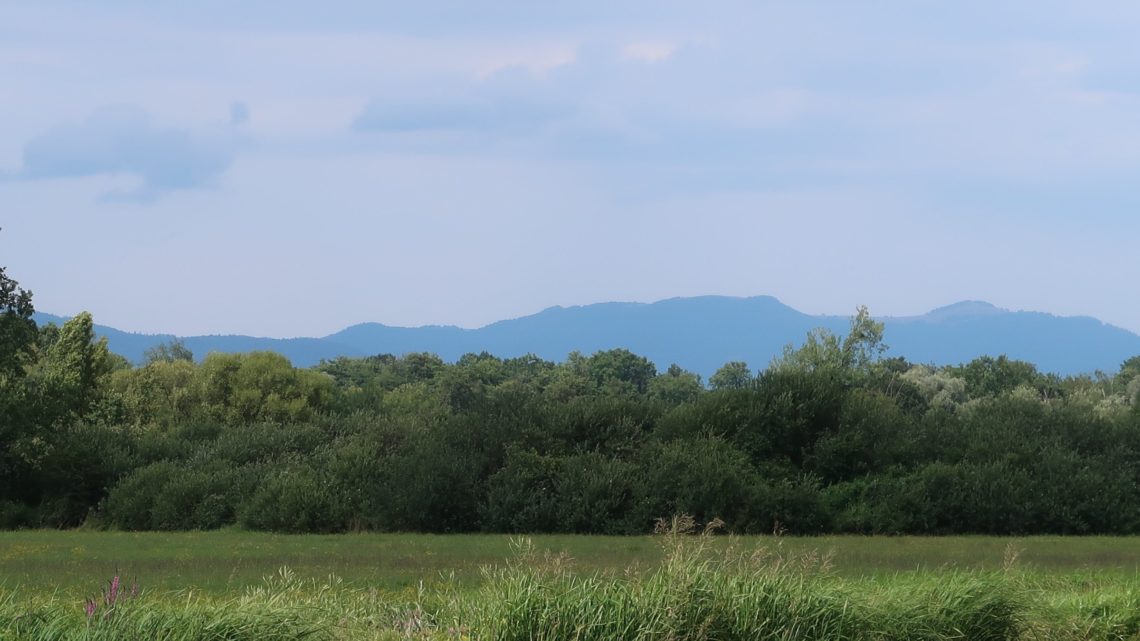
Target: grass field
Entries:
(231, 585)
(224, 561)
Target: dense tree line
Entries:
(830, 437)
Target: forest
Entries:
(831, 437)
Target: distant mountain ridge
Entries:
(699, 334)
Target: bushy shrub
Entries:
(263, 443)
(990, 498)
(168, 496)
(780, 416)
(295, 499)
(434, 481)
(177, 443)
(582, 493)
(130, 504)
(707, 478)
(872, 435)
(15, 515)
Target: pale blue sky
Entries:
(290, 168)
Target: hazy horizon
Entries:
(821, 315)
(282, 169)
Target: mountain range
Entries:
(700, 334)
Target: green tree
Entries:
(676, 386)
(17, 329)
(163, 393)
(569, 379)
(419, 366)
(18, 337)
(824, 351)
(821, 351)
(1129, 371)
(864, 342)
(731, 375)
(989, 376)
(261, 386)
(73, 369)
(938, 387)
(175, 350)
(620, 371)
(529, 369)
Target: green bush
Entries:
(167, 496)
(295, 499)
(523, 495)
(707, 478)
(130, 504)
(582, 493)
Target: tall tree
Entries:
(17, 347)
(73, 367)
(17, 329)
(824, 351)
(864, 343)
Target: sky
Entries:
(285, 168)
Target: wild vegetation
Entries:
(830, 437)
(231, 560)
(673, 586)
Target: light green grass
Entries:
(229, 585)
(223, 561)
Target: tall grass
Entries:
(701, 596)
(1073, 608)
(703, 590)
(173, 616)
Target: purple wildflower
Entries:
(113, 593)
(89, 606)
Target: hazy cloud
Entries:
(473, 113)
(689, 149)
(239, 113)
(512, 100)
(123, 140)
(830, 99)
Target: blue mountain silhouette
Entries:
(699, 334)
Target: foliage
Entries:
(831, 438)
(676, 386)
(17, 329)
(733, 375)
(170, 352)
(824, 351)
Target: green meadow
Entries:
(223, 561)
(237, 585)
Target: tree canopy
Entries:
(832, 437)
